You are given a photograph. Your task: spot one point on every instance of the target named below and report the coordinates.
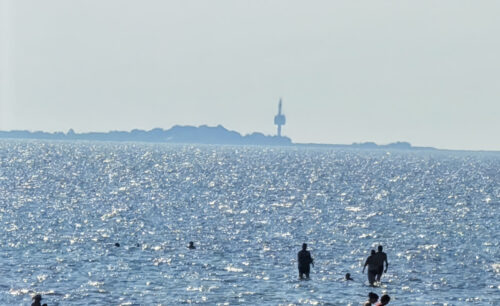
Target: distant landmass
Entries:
(400, 145)
(178, 134)
(190, 134)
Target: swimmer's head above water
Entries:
(384, 300)
(372, 297)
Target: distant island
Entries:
(178, 134)
(197, 135)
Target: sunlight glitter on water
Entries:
(248, 210)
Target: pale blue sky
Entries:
(427, 72)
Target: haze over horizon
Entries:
(424, 72)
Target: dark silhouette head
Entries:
(304, 246)
(348, 276)
(372, 297)
(380, 248)
(373, 252)
(191, 245)
(384, 300)
(37, 298)
(117, 245)
(44, 304)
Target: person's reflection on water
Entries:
(305, 260)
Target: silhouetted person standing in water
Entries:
(372, 267)
(380, 258)
(304, 258)
(191, 245)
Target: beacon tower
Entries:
(279, 119)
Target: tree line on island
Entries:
(190, 134)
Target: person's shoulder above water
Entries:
(371, 258)
(191, 245)
(36, 300)
(304, 255)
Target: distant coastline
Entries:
(178, 134)
(197, 135)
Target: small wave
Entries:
(353, 208)
(191, 288)
(233, 269)
(158, 261)
(496, 267)
(95, 283)
(428, 246)
(41, 277)
(21, 291)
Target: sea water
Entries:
(63, 206)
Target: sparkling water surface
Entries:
(63, 206)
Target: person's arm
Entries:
(366, 263)
(311, 260)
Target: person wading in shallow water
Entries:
(304, 258)
(372, 268)
(379, 259)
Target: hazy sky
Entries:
(427, 72)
